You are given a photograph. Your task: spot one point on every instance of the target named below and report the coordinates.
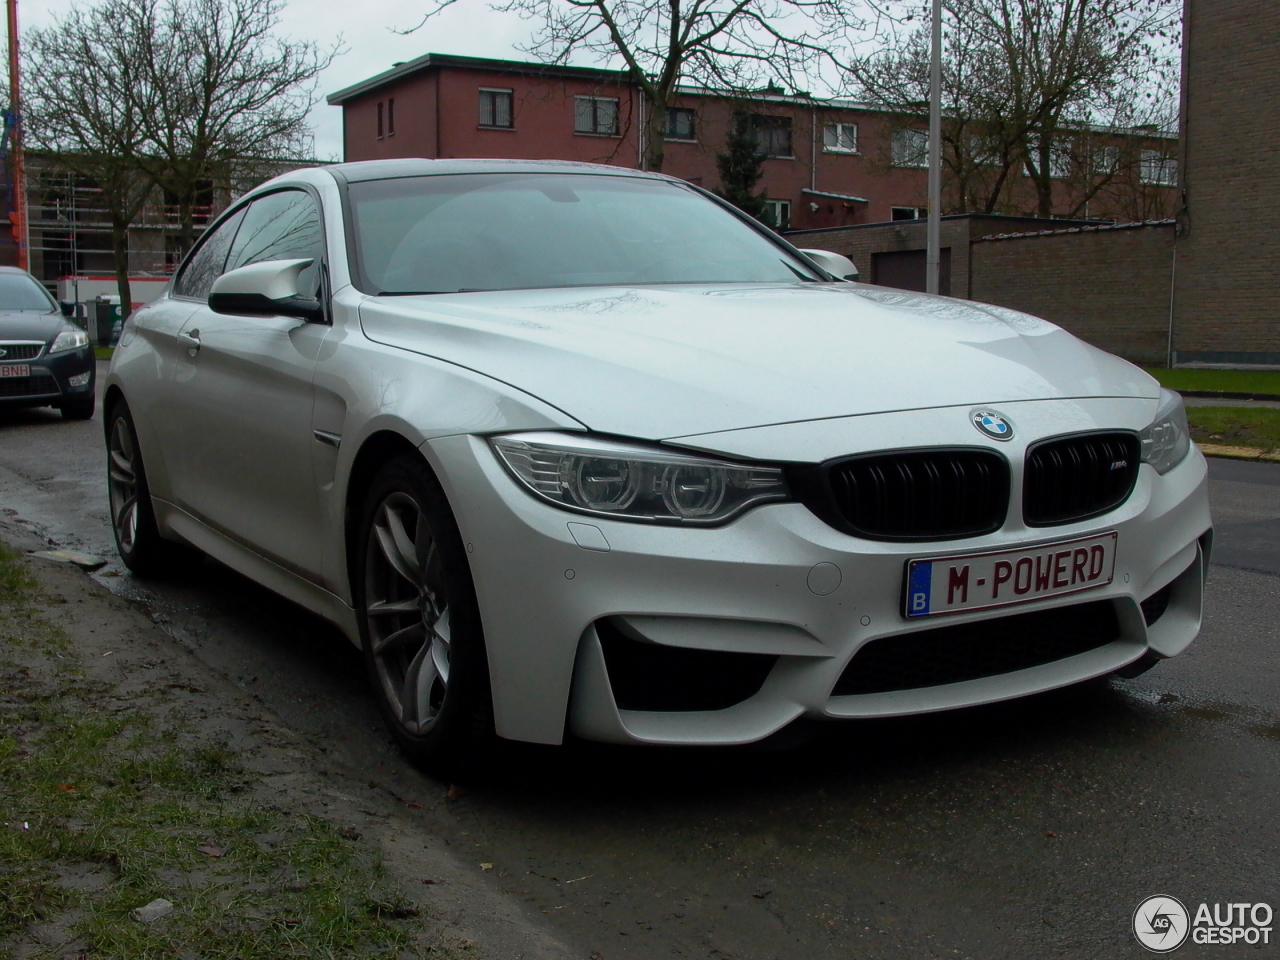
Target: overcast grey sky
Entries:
(469, 28)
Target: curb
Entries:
(1228, 395)
(1239, 453)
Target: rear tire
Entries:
(133, 519)
(420, 622)
(79, 409)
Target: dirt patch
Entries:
(132, 777)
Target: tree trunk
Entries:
(120, 251)
(655, 149)
(1044, 178)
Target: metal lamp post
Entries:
(933, 242)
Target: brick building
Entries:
(1227, 292)
(830, 162)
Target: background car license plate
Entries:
(984, 580)
(15, 369)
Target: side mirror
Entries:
(68, 308)
(833, 263)
(266, 289)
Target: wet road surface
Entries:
(1030, 829)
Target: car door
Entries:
(245, 405)
(153, 375)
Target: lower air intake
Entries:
(985, 648)
(650, 676)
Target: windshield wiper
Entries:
(426, 293)
(798, 273)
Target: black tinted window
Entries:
(209, 261)
(281, 226)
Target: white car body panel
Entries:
(764, 372)
(657, 362)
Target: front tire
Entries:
(420, 622)
(81, 409)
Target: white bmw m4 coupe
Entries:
(575, 450)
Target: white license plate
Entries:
(979, 581)
(15, 369)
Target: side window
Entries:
(209, 260)
(281, 226)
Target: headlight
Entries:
(69, 340)
(1166, 442)
(633, 482)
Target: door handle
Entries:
(191, 341)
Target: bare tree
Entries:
(227, 92)
(731, 45)
(86, 102)
(1025, 81)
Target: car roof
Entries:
(389, 169)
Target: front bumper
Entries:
(776, 582)
(50, 382)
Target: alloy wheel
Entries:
(122, 473)
(407, 612)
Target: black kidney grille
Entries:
(913, 494)
(1075, 478)
(986, 648)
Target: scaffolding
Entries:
(70, 230)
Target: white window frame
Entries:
(835, 131)
(1106, 161)
(1157, 168)
(580, 101)
(780, 211)
(784, 123)
(693, 125)
(511, 107)
(917, 213)
(916, 156)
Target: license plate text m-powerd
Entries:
(983, 580)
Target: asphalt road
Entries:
(1030, 829)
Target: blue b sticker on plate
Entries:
(918, 588)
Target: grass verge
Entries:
(103, 353)
(1255, 427)
(107, 803)
(1224, 381)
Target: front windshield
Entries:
(20, 292)
(463, 232)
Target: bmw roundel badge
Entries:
(993, 425)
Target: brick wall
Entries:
(1110, 286)
(860, 243)
(1227, 300)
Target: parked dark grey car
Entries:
(45, 359)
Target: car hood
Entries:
(30, 325)
(672, 361)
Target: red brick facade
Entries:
(432, 107)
